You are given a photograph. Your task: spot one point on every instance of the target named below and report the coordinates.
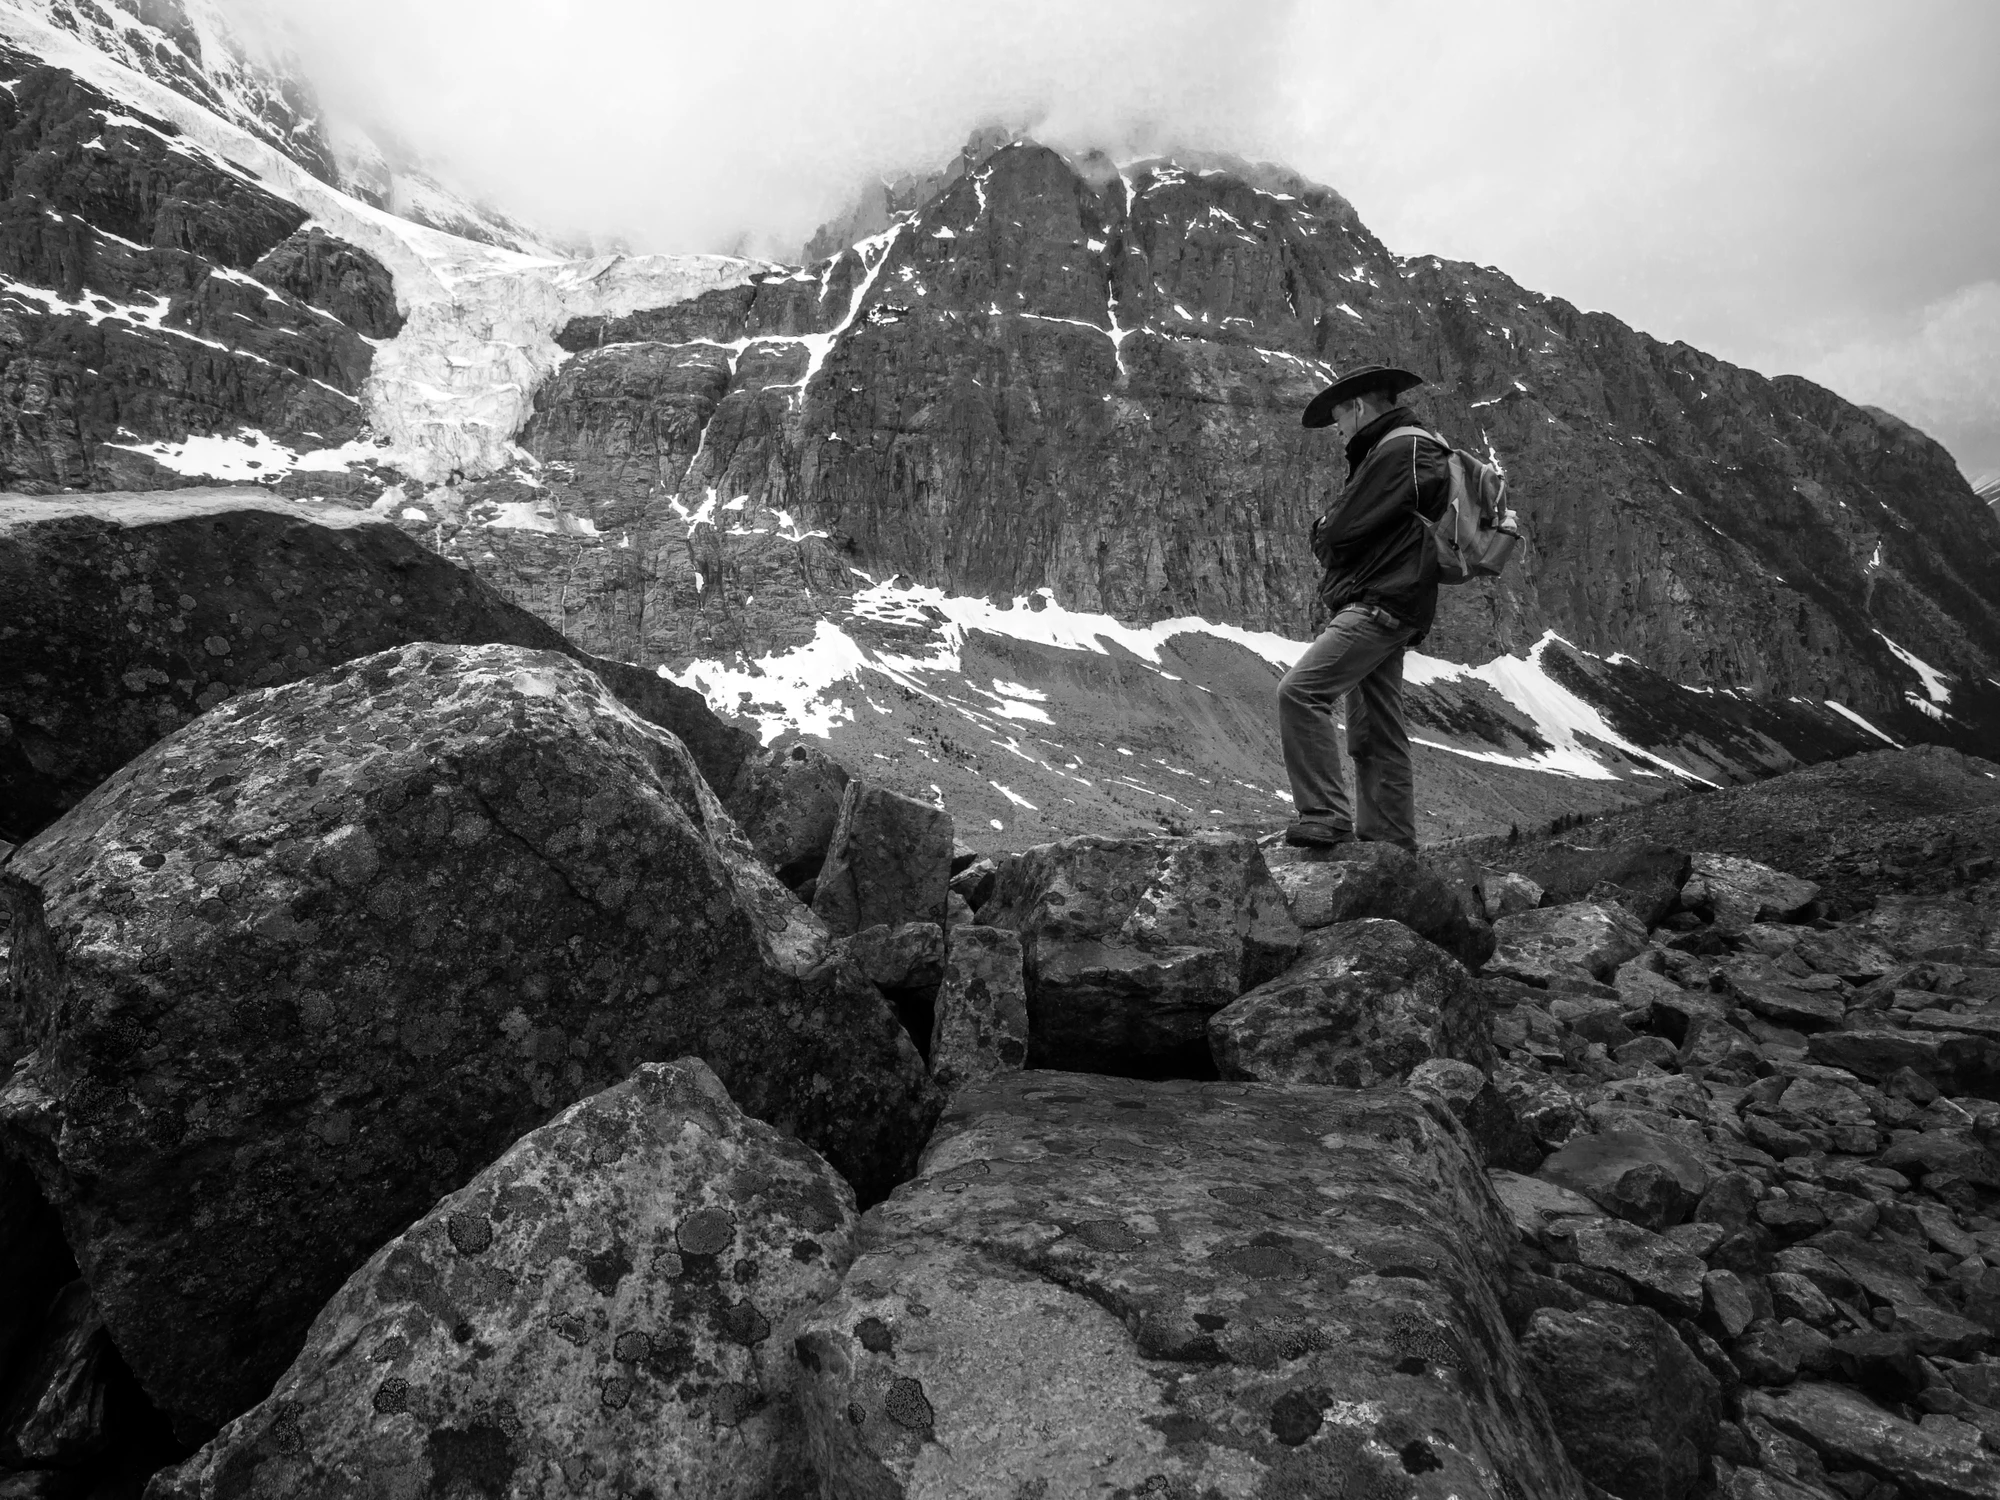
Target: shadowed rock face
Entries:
(316, 957)
(1130, 945)
(1163, 1287)
(601, 1311)
(164, 293)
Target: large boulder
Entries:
(318, 957)
(601, 1312)
(1098, 1286)
(1584, 941)
(1365, 1003)
(128, 615)
(1634, 1408)
(1130, 945)
(1642, 876)
(889, 861)
(1380, 880)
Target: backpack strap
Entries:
(1413, 432)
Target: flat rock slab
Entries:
(601, 1312)
(1638, 1175)
(1206, 1289)
(321, 955)
(1851, 1432)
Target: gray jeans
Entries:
(1360, 655)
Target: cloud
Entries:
(1743, 177)
(1940, 372)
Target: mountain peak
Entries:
(249, 79)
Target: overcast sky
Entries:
(1808, 186)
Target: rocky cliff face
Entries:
(191, 48)
(155, 291)
(1060, 374)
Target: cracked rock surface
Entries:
(1099, 1286)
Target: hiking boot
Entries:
(1317, 836)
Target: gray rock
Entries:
(982, 1008)
(888, 861)
(1637, 1175)
(1130, 945)
(1506, 894)
(1096, 1285)
(1479, 1106)
(1366, 1002)
(1636, 1410)
(1639, 875)
(1774, 1351)
(1728, 1306)
(787, 801)
(1792, 1296)
(1535, 1203)
(1851, 1432)
(1743, 892)
(1664, 1276)
(373, 927)
(604, 1311)
(1587, 940)
(59, 1391)
(907, 956)
(1358, 881)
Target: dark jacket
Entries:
(1371, 541)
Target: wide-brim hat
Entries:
(1356, 382)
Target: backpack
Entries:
(1477, 535)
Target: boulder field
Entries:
(422, 1084)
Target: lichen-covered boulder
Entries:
(981, 1027)
(321, 955)
(1635, 1409)
(1366, 1002)
(1130, 945)
(889, 861)
(1585, 940)
(1357, 881)
(604, 1311)
(1099, 1286)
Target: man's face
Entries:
(1349, 418)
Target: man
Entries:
(1380, 590)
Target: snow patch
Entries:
(1934, 680)
(1849, 714)
(1559, 716)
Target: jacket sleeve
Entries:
(1386, 499)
